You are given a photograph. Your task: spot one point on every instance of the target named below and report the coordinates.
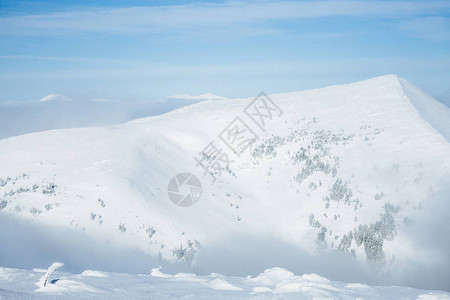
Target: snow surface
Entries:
(16, 283)
(370, 158)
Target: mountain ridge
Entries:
(341, 167)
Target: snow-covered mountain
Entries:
(350, 182)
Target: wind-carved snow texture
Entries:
(274, 283)
(352, 170)
(44, 281)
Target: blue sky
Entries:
(147, 50)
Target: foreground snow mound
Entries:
(44, 281)
(349, 182)
(274, 283)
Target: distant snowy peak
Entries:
(55, 97)
(207, 96)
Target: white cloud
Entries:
(100, 100)
(219, 16)
(434, 28)
(55, 97)
(7, 102)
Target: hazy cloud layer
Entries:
(55, 112)
(218, 15)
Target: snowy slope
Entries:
(273, 283)
(349, 182)
(432, 111)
